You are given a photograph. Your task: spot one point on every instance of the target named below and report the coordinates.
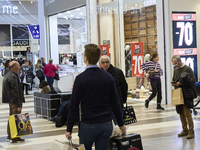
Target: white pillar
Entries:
(121, 36)
(54, 39)
(43, 32)
(93, 22)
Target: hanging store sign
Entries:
(184, 38)
(104, 50)
(20, 42)
(35, 31)
(137, 59)
(184, 33)
(191, 60)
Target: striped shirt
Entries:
(150, 65)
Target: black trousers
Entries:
(156, 90)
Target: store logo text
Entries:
(8, 9)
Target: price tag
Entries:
(137, 60)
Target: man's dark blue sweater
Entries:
(95, 89)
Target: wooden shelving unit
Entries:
(141, 26)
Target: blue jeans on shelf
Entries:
(95, 133)
(50, 81)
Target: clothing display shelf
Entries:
(140, 25)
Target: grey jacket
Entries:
(11, 90)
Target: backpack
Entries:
(40, 74)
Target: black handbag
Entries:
(129, 116)
(29, 78)
(57, 76)
(151, 74)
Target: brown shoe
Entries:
(190, 135)
(183, 133)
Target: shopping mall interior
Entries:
(130, 32)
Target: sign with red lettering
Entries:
(104, 50)
(137, 59)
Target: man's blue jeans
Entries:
(95, 133)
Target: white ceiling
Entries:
(78, 13)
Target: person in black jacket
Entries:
(12, 94)
(120, 81)
(95, 90)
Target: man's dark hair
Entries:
(93, 52)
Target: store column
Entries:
(42, 23)
(54, 39)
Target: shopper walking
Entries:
(39, 70)
(43, 61)
(12, 94)
(120, 81)
(6, 68)
(188, 94)
(50, 70)
(155, 71)
(95, 90)
(24, 71)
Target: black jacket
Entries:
(189, 92)
(12, 92)
(120, 82)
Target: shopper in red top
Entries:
(49, 70)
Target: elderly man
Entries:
(95, 90)
(120, 81)
(12, 94)
(183, 110)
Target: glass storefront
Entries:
(120, 27)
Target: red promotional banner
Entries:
(137, 59)
(104, 50)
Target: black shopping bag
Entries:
(127, 142)
(57, 76)
(129, 115)
(29, 78)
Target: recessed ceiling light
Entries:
(68, 12)
(78, 9)
(136, 5)
(59, 14)
(78, 17)
(80, 13)
(71, 15)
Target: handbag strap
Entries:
(156, 66)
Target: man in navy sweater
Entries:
(95, 90)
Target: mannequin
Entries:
(128, 64)
(146, 58)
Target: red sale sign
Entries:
(137, 59)
(104, 50)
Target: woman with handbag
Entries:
(49, 70)
(39, 70)
(154, 70)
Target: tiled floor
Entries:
(158, 129)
